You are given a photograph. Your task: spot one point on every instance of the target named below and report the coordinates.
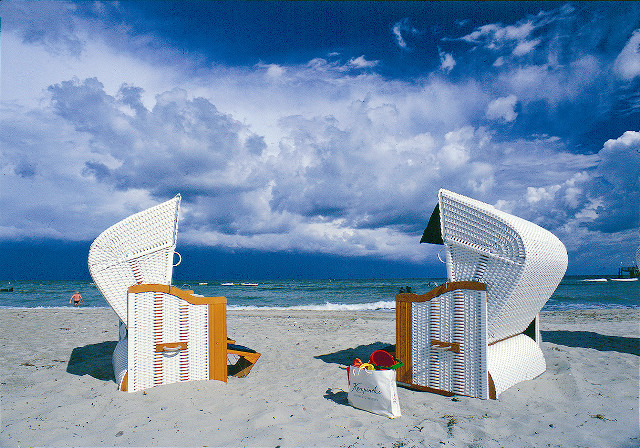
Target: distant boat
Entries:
(594, 280)
(227, 284)
(624, 279)
(249, 284)
(9, 289)
(202, 283)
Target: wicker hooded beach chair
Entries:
(478, 335)
(166, 334)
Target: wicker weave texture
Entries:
(138, 249)
(457, 317)
(119, 359)
(520, 262)
(514, 360)
(160, 318)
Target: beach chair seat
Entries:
(479, 334)
(165, 334)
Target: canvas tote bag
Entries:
(374, 391)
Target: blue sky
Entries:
(319, 130)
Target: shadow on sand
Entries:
(345, 357)
(339, 397)
(589, 339)
(94, 360)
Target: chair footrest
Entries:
(245, 363)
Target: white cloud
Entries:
(627, 64)
(483, 179)
(561, 86)
(589, 212)
(397, 32)
(535, 38)
(574, 189)
(447, 62)
(629, 140)
(456, 150)
(503, 108)
(275, 71)
(400, 30)
(361, 62)
(319, 156)
(542, 193)
(26, 81)
(525, 47)
(46, 24)
(496, 36)
(602, 197)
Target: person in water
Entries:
(76, 299)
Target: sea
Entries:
(573, 293)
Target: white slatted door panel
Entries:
(159, 318)
(457, 317)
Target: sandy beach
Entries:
(57, 387)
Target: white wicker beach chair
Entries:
(166, 334)
(466, 337)
(138, 249)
